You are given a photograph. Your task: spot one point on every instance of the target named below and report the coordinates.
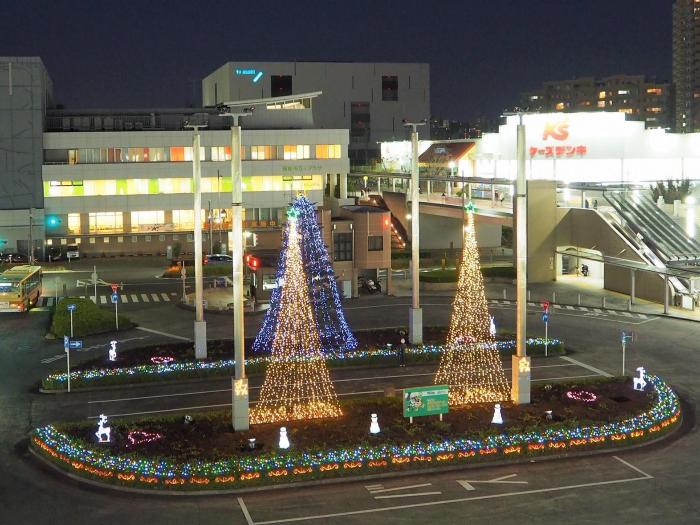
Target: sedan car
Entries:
(218, 258)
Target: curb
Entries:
(368, 477)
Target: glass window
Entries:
(359, 119)
(297, 151)
(147, 220)
(106, 240)
(91, 240)
(99, 187)
(221, 153)
(120, 239)
(342, 246)
(105, 222)
(188, 153)
(327, 151)
(137, 186)
(74, 223)
(375, 243)
(134, 238)
(183, 219)
(390, 87)
(63, 188)
(177, 154)
(280, 85)
(210, 184)
(263, 152)
(180, 185)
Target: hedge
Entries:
(88, 318)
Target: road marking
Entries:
(449, 501)
(584, 365)
(163, 333)
(371, 487)
(248, 519)
(648, 476)
(408, 495)
(626, 314)
(54, 358)
(103, 299)
(134, 298)
(93, 299)
(564, 377)
(145, 298)
(393, 489)
(155, 297)
(467, 483)
(124, 298)
(165, 296)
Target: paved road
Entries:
(656, 485)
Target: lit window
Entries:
(601, 103)
(625, 110)
(147, 220)
(188, 154)
(210, 184)
(655, 91)
(601, 94)
(91, 240)
(296, 151)
(559, 106)
(179, 185)
(63, 188)
(534, 97)
(183, 219)
(49, 242)
(654, 110)
(263, 152)
(177, 154)
(623, 91)
(220, 153)
(327, 151)
(74, 223)
(107, 222)
(99, 187)
(137, 186)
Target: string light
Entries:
(241, 470)
(470, 364)
(333, 329)
(581, 395)
(297, 382)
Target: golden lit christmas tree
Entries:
(470, 364)
(297, 383)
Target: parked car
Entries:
(54, 254)
(14, 258)
(72, 251)
(218, 258)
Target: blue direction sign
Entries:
(115, 298)
(545, 317)
(75, 344)
(72, 307)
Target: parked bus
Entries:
(20, 288)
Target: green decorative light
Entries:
(292, 213)
(470, 207)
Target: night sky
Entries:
(482, 54)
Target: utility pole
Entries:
(211, 237)
(239, 386)
(31, 236)
(415, 313)
(200, 325)
(520, 390)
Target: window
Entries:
(137, 186)
(177, 154)
(107, 222)
(147, 238)
(63, 188)
(623, 91)
(601, 95)
(359, 120)
(210, 184)
(327, 151)
(220, 153)
(64, 242)
(183, 219)
(601, 103)
(147, 220)
(342, 246)
(654, 91)
(74, 223)
(654, 110)
(91, 240)
(180, 185)
(375, 243)
(263, 152)
(93, 188)
(120, 239)
(280, 85)
(297, 151)
(559, 106)
(134, 238)
(390, 88)
(105, 240)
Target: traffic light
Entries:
(52, 221)
(252, 262)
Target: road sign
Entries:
(66, 341)
(627, 336)
(545, 306)
(71, 307)
(545, 317)
(115, 287)
(425, 400)
(74, 344)
(115, 298)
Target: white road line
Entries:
(244, 509)
(449, 501)
(92, 298)
(144, 297)
(373, 487)
(134, 298)
(626, 314)
(648, 476)
(643, 316)
(598, 310)
(103, 299)
(163, 333)
(408, 495)
(155, 297)
(124, 299)
(165, 296)
(393, 489)
(584, 365)
(563, 377)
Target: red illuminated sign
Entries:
(556, 130)
(558, 151)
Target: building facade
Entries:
(686, 71)
(638, 97)
(370, 99)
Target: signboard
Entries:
(115, 298)
(257, 75)
(75, 344)
(71, 307)
(545, 317)
(425, 400)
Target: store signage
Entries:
(297, 169)
(425, 401)
(257, 75)
(556, 130)
(558, 151)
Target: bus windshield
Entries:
(8, 287)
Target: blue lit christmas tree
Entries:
(330, 320)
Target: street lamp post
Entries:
(452, 165)
(200, 325)
(520, 390)
(239, 385)
(415, 313)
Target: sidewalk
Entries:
(564, 293)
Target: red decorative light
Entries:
(162, 359)
(581, 395)
(139, 437)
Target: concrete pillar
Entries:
(379, 185)
(200, 325)
(632, 285)
(343, 185)
(331, 184)
(415, 315)
(666, 293)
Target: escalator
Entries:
(399, 235)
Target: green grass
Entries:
(213, 270)
(451, 276)
(88, 318)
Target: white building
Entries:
(370, 99)
(121, 182)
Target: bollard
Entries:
(554, 297)
(603, 301)
(528, 295)
(504, 294)
(579, 300)
(629, 304)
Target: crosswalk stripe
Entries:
(125, 299)
(585, 309)
(134, 298)
(165, 296)
(598, 310)
(145, 298)
(103, 299)
(627, 314)
(642, 316)
(155, 297)
(93, 299)
(569, 307)
(531, 304)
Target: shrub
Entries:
(88, 318)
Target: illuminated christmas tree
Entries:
(470, 364)
(297, 383)
(333, 329)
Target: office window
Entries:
(134, 238)
(93, 188)
(105, 240)
(91, 240)
(297, 151)
(137, 186)
(342, 246)
(359, 120)
(64, 242)
(120, 239)
(105, 222)
(375, 243)
(74, 223)
(147, 238)
(183, 219)
(49, 242)
(280, 85)
(390, 88)
(327, 151)
(147, 220)
(210, 184)
(220, 153)
(179, 185)
(263, 152)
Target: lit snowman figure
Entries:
(374, 425)
(284, 440)
(497, 418)
(113, 351)
(492, 327)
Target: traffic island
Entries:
(199, 453)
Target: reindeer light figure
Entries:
(640, 382)
(103, 432)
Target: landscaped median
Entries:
(164, 367)
(204, 454)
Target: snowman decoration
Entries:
(284, 440)
(492, 327)
(374, 425)
(497, 418)
(113, 351)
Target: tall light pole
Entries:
(415, 313)
(200, 325)
(520, 389)
(239, 384)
